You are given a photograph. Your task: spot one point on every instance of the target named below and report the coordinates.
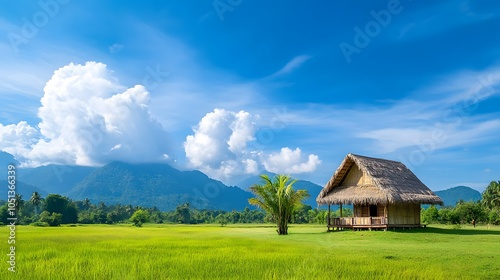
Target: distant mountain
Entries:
(451, 196)
(6, 159)
(23, 189)
(54, 178)
(147, 185)
(157, 185)
(312, 188)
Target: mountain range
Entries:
(160, 185)
(451, 196)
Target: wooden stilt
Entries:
(328, 222)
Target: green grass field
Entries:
(251, 252)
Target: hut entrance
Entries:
(373, 211)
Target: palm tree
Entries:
(491, 196)
(101, 205)
(19, 201)
(86, 203)
(278, 198)
(36, 199)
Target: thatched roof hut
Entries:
(391, 182)
(378, 186)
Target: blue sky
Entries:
(236, 87)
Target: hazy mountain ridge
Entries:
(157, 185)
(160, 185)
(54, 178)
(451, 196)
(26, 190)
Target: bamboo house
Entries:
(384, 194)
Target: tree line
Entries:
(55, 210)
(484, 211)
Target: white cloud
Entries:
(293, 64)
(88, 118)
(291, 162)
(17, 139)
(115, 48)
(220, 147)
(433, 137)
(447, 114)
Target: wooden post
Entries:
(341, 210)
(328, 215)
(385, 213)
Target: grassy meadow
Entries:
(251, 252)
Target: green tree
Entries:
(55, 203)
(36, 200)
(469, 211)
(53, 219)
(70, 214)
(221, 219)
(19, 202)
(491, 196)
(278, 198)
(183, 213)
(87, 204)
(491, 202)
(448, 215)
(4, 214)
(139, 217)
(98, 216)
(430, 215)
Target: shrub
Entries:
(52, 220)
(40, 224)
(139, 217)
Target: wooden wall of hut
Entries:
(364, 211)
(403, 214)
(356, 177)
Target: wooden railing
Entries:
(358, 221)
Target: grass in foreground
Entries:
(251, 252)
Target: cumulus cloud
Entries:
(17, 139)
(219, 143)
(291, 162)
(221, 147)
(88, 118)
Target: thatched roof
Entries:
(392, 183)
